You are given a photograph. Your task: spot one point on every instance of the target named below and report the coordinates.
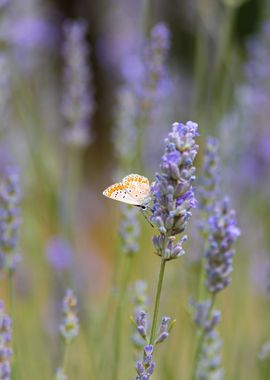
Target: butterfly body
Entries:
(134, 189)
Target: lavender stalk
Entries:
(78, 104)
(173, 198)
(221, 232)
(129, 146)
(9, 235)
(148, 93)
(69, 329)
(9, 220)
(78, 107)
(209, 184)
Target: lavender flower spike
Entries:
(5, 340)
(69, 327)
(78, 104)
(155, 72)
(9, 219)
(223, 232)
(145, 368)
(209, 359)
(173, 194)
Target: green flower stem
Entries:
(70, 183)
(148, 15)
(10, 293)
(200, 64)
(223, 73)
(118, 318)
(157, 301)
(201, 340)
(65, 357)
(202, 278)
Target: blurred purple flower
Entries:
(59, 254)
(154, 59)
(5, 344)
(210, 178)
(69, 327)
(223, 233)
(32, 33)
(9, 218)
(29, 39)
(125, 133)
(251, 141)
(120, 41)
(78, 103)
(3, 3)
(209, 361)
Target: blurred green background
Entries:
(212, 42)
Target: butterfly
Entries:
(134, 189)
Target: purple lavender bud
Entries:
(141, 322)
(78, 103)
(157, 242)
(140, 369)
(214, 320)
(5, 344)
(69, 327)
(163, 330)
(173, 195)
(9, 219)
(59, 254)
(148, 350)
(223, 232)
(178, 250)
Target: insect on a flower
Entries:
(134, 189)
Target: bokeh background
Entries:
(217, 73)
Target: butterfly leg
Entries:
(142, 210)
